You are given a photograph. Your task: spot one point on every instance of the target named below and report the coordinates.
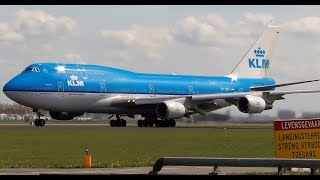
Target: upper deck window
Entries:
(34, 69)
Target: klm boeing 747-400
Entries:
(70, 90)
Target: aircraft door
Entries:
(151, 89)
(83, 72)
(60, 88)
(234, 86)
(191, 91)
(102, 88)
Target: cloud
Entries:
(214, 30)
(217, 21)
(28, 24)
(153, 56)
(211, 30)
(38, 22)
(74, 58)
(7, 35)
(258, 18)
(195, 30)
(139, 36)
(305, 25)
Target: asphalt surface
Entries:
(179, 125)
(166, 170)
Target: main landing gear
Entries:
(147, 122)
(119, 122)
(158, 123)
(38, 121)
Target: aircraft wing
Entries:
(269, 87)
(254, 93)
(269, 96)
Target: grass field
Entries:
(25, 146)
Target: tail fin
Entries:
(257, 60)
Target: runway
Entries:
(166, 170)
(218, 125)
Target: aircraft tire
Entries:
(157, 123)
(162, 123)
(172, 123)
(167, 123)
(140, 122)
(112, 123)
(118, 123)
(36, 122)
(145, 123)
(41, 122)
(123, 123)
(151, 123)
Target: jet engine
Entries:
(171, 110)
(64, 115)
(252, 104)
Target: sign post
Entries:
(297, 139)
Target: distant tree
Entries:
(211, 117)
(309, 115)
(286, 114)
(14, 109)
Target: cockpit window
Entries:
(34, 69)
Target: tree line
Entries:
(14, 109)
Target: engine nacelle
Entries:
(252, 104)
(171, 110)
(64, 115)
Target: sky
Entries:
(201, 40)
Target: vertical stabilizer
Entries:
(257, 60)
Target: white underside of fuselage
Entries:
(80, 102)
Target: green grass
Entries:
(64, 146)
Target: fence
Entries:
(282, 163)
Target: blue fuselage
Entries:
(49, 77)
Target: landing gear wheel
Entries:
(42, 122)
(172, 123)
(167, 123)
(157, 123)
(140, 123)
(162, 123)
(112, 123)
(150, 123)
(123, 123)
(145, 123)
(118, 123)
(36, 122)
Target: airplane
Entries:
(69, 90)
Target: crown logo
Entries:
(74, 78)
(259, 52)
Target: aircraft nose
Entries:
(13, 85)
(8, 86)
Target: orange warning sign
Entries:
(298, 138)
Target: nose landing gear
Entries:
(38, 121)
